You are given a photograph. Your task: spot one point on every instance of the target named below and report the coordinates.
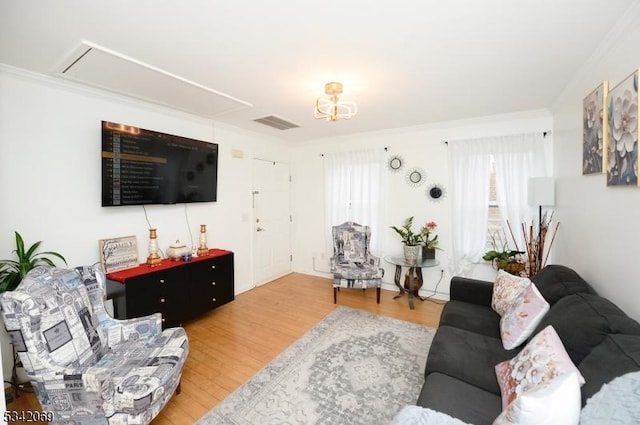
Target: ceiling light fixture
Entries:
(331, 108)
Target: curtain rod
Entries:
(544, 134)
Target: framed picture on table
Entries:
(118, 253)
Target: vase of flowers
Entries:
(430, 240)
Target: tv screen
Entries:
(141, 167)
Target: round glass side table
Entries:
(414, 274)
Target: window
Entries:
(489, 180)
(353, 191)
(494, 220)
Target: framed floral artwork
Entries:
(622, 144)
(594, 130)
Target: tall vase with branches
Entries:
(537, 242)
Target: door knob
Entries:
(260, 229)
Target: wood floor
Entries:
(233, 342)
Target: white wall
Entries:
(420, 147)
(600, 226)
(50, 173)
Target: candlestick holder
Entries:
(153, 259)
(202, 247)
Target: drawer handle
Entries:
(213, 267)
(163, 320)
(213, 283)
(161, 300)
(214, 300)
(161, 280)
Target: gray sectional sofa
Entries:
(460, 380)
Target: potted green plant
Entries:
(503, 258)
(12, 271)
(411, 240)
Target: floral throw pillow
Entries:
(540, 385)
(559, 403)
(520, 320)
(506, 290)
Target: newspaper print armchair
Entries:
(86, 367)
(352, 265)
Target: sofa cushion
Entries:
(519, 321)
(615, 356)
(583, 321)
(468, 356)
(472, 317)
(555, 282)
(459, 399)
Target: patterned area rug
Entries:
(353, 367)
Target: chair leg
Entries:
(335, 295)
(378, 294)
(179, 387)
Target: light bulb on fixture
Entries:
(331, 108)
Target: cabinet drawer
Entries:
(151, 293)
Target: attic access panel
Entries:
(100, 67)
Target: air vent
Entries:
(276, 122)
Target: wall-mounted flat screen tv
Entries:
(142, 167)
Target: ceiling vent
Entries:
(100, 67)
(276, 122)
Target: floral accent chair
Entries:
(85, 366)
(352, 265)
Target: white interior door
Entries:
(271, 220)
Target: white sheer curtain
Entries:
(516, 159)
(353, 192)
(470, 165)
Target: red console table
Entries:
(179, 290)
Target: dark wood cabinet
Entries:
(179, 291)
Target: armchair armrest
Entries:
(473, 291)
(89, 386)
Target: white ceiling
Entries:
(406, 62)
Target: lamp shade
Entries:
(541, 191)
